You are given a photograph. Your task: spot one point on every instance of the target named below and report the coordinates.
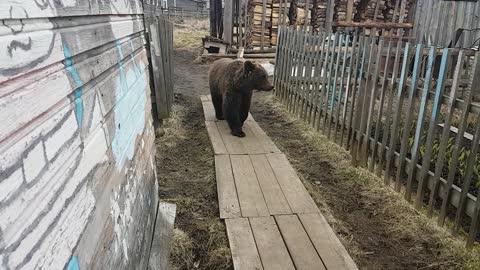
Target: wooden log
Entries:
(382, 25)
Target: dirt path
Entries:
(376, 225)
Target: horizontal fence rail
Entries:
(405, 111)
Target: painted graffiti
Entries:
(69, 123)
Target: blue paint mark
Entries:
(73, 264)
(130, 98)
(78, 83)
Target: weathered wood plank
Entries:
(233, 144)
(252, 202)
(298, 243)
(427, 158)
(332, 252)
(208, 110)
(272, 249)
(272, 192)
(227, 193)
(409, 118)
(267, 143)
(292, 187)
(251, 143)
(215, 138)
(242, 244)
(419, 130)
(160, 251)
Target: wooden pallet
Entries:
(272, 222)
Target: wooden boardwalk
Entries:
(272, 222)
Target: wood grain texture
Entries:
(242, 244)
(227, 192)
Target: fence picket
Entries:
(323, 76)
(371, 107)
(427, 158)
(409, 118)
(347, 90)
(396, 116)
(329, 81)
(340, 88)
(388, 115)
(334, 88)
(317, 80)
(446, 135)
(381, 101)
(419, 130)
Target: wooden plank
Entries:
(227, 192)
(353, 118)
(265, 141)
(264, 9)
(372, 93)
(272, 192)
(252, 202)
(312, 114)
(233, 144)
(332, 252)
(427, 157)
(242, 245)
(352, 56)
(388, 114)
(329, 80)
(293, 189)
(205, 97)
(298, 243)
(330, 111)
(397, 114)
(456, 150)
(349, 15)
(409, 118)
(272, 249)
(323, 75)
(474, 150)
(160, 250)
(338, 122)
(250, 142)
(419, 130)
(208, 110)
(380, 107)
(215, 138)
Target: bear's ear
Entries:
(249, 66)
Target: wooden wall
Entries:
(440, 19)
(77, 153)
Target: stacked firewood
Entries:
(364, 10)
(340, 10)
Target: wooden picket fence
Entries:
(405, 111)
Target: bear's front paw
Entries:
(238, 133)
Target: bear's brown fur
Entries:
(231, 85)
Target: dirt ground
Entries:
(378, 228)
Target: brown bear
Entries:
(231, 85)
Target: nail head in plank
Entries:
(332, 252)
(244, 251)
(293, 189)
(272, 249)
(252, 203)
(298, 243)
(215, 138)
(272, 192)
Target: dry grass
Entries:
(188, 34)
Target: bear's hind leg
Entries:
(217, 104)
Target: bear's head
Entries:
(256, 76)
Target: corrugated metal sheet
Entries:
(77, 155)
(440, 19)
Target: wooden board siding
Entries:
(440, 20)
(77, 162)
